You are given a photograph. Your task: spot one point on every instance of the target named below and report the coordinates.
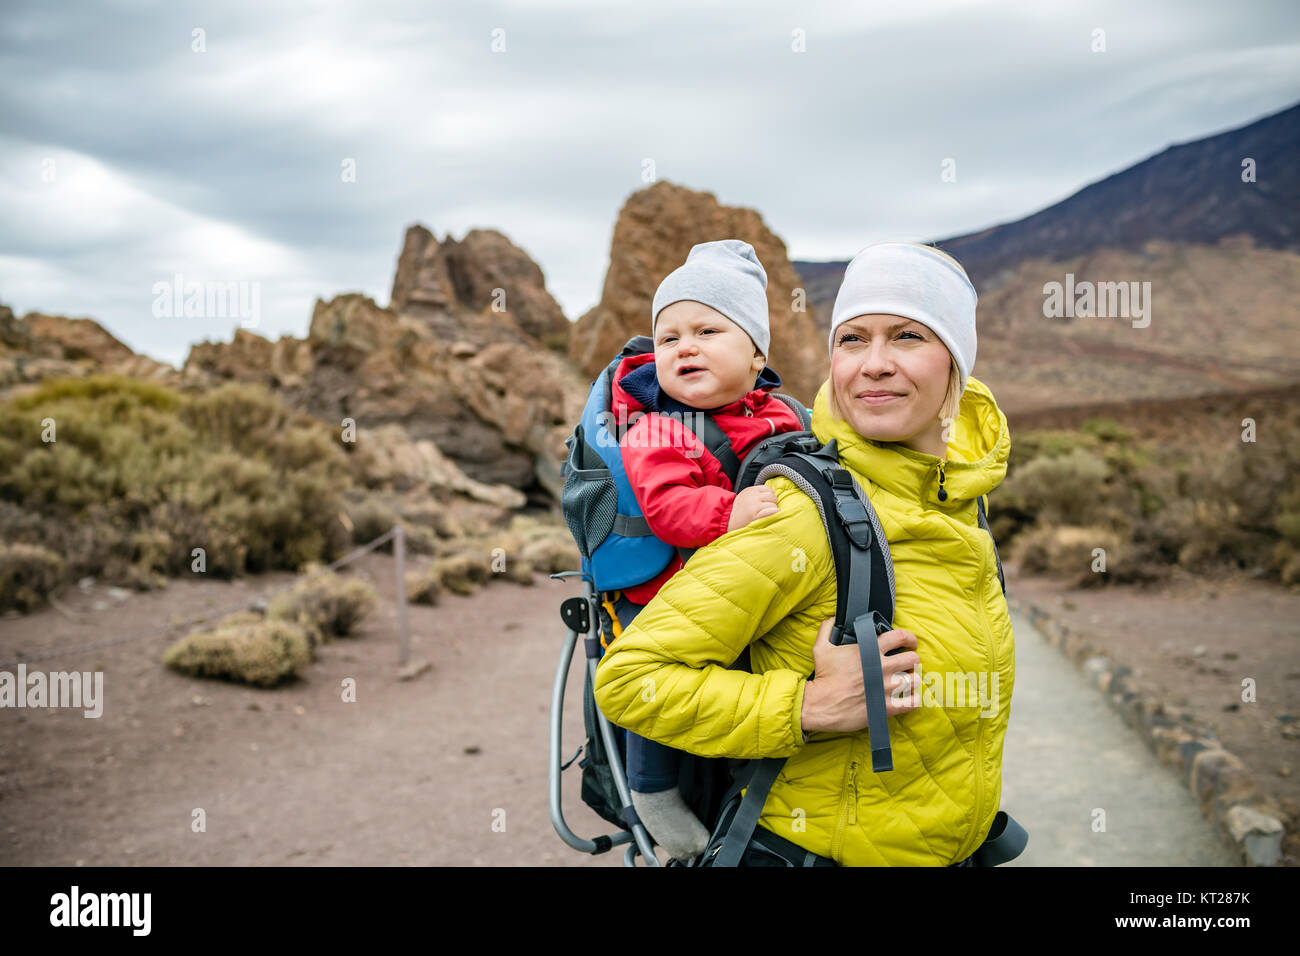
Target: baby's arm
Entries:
(752, 503)
(664, 462)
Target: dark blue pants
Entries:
(651, 767)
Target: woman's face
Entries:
(890, 377)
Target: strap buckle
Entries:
(851, 511)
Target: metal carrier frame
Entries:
(580, 613)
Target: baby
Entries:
(710, 328)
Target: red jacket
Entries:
(682, 490)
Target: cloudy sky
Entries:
(134, 149)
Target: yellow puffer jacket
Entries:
(770, 585)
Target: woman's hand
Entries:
(835, 699)
(754, 502)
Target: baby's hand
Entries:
(756, 501)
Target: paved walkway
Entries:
(1069, 755)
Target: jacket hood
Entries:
(978, 449)
(636, 387)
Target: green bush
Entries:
(1060, 489)
(1198, 497)
(138, 476)
(1106, 430)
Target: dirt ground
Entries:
(450, 768)
(1192, 642)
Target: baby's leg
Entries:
(651, 767)
(652, 772)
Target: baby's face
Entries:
(702, 358)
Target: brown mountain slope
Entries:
(1223, 318)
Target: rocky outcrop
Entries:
(394, 460)
(39, 346)
(499, 410)
(482, 287)
(655, 230)
(78, 338)
(251, 358)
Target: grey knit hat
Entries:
(725, 275)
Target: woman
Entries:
(924, 440)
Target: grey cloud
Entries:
(545, 142)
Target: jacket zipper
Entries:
(853, 792)
(980, 719)
(851, 800)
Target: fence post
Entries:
(403, 631)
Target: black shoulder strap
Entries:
(864, 605)
(984, 523)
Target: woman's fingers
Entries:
(840, 668)
(899, 668)
(897, 638)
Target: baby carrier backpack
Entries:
(618, 551)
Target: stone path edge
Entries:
(1222, 784)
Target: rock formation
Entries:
(491, 389)
(483, 288)
(655, 230)
(39, 346)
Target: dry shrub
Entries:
(329, 604)
(262, 652)
(1067, 552)
(423, 587)
(553, 553)
(371, 516)
(1060, 490)
(436, 518)
(462, 573)
(1286, 562)
(519, 570)
(28, 573)
(1200, 497)
(240, 617)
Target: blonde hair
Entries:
(952, 397)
